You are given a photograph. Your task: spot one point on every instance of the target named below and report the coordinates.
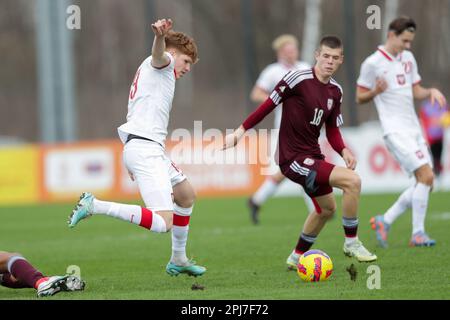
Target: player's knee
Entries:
(427, 178)
(354, 183)
(328, 211)
(187, 200)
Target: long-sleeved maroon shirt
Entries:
(307, 105)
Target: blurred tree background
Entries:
(234, 39)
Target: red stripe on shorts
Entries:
(317, 206)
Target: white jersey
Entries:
(395, 106)
(150, 102)
(271, 75)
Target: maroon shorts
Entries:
(313, 174)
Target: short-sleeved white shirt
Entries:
(395, 106)
(273, 74)
(150, 102)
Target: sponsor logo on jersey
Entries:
(308, 161)
(330, 104)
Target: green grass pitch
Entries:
(122, 261)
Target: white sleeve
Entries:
(416, 78)
(168, 68)
(366, 76)
(266, 80)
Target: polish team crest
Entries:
(330, 104)
(401, 79)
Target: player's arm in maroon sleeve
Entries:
(335, 138)
(281, 92)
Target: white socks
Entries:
(131, 213)
(265, 191)
(419, 206)
(403, 203)
(416, 197)
(180, 230)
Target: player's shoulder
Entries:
(297, 77)
(337, 86)
(148, 63)
(373, 59)
(273, 67)
(407, 55)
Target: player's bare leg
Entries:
(350, 183)
(425, 178)
(314, 223)
(184, 198)
(264, 192)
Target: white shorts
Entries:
(410, 150)
(154, 173)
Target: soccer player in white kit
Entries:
(286, 48)
(390, 77)
(168, 196)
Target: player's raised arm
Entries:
(160, 29)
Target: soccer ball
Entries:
(314, 265)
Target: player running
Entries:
(390, 77)
(144, 135)
(286, 48)
(312, 98)
(16, 273)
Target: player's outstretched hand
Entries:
(233, 138)
(349, 158)
(436, 95)
(162, 27)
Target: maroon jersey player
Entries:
(312, 98)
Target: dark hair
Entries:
(332, 42)
(401, 24)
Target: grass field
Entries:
(121, 261)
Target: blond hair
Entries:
(282, 40)
(183, 43)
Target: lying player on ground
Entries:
(16, 273)
(310, 99)
(144, 135)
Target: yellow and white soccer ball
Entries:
(314, 265)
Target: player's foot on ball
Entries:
(51, 285)
(357, 250)
(381, 229)
(292, 261)
(82, 210)
(189, 268)
(421, 239)
(254, 211)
